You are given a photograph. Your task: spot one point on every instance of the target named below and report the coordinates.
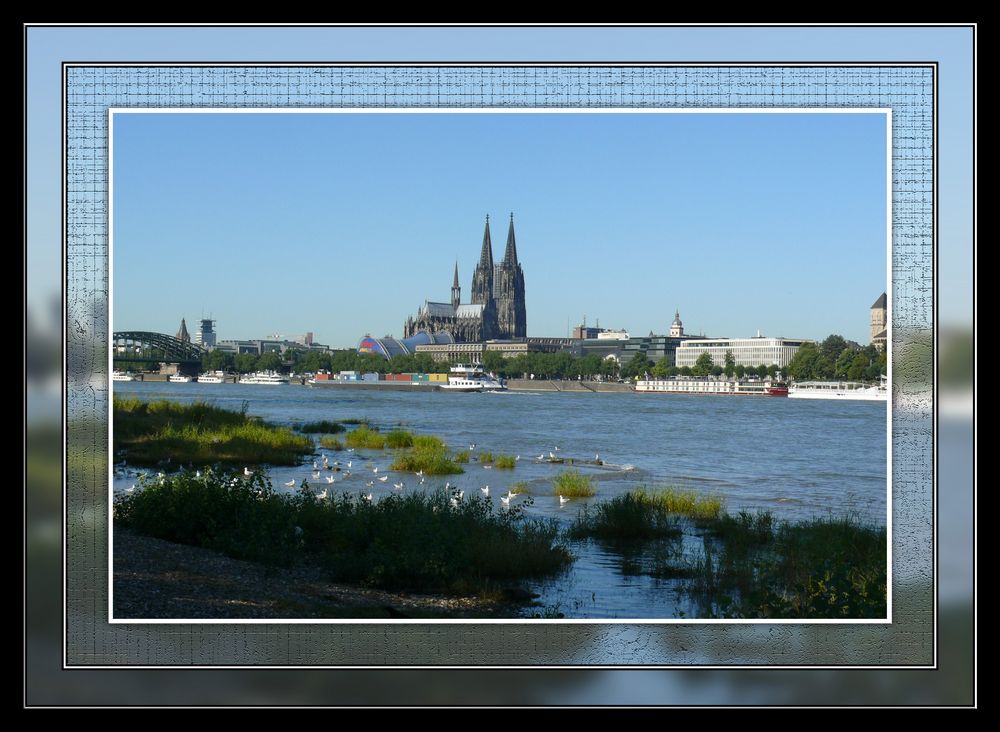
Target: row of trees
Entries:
(837, 358)
(834, 358)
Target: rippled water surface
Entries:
(797, 458)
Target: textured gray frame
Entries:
(908, 90)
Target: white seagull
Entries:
(367, 498)
(370, 483)
(315, 475)
(130, 489)
(315, 465)
(505, 500)
(350, 449)
(197, 474)
(346, 475)
(597, 457)
(552, 455)
(487, 467)
(384, 478)
(398, 486)
(517, 459)
(321, 495)
(563, 501)
(486, 490)
(421, 481)
(420, 472)
(375, 469)
(349, 463)
(541, 457)
(330, 479)
(290, 483)
(246, 471)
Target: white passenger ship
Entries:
(179, 379)
(471, 378)
(840, 390)
(122, 376)
(212, 377)
(264, 377)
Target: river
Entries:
(797, 458)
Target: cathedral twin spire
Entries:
(510, 253)
(501, 286)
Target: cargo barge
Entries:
(382, 382)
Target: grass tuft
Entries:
(365, 437)
(573, 484)
(505, 462)
(432, 461)
(324, 426)
(331, 443)
(625, 518)
(684, 502)
(399, 438)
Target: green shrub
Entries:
(416, 542)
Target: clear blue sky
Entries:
(342, 224)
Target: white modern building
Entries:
(746, 351)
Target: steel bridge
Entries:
(139, 345)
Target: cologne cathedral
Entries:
(496, 310)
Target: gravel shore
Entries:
(158, 579)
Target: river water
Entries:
(799, 459)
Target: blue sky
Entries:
(341, 224)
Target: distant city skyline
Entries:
(342, 224)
